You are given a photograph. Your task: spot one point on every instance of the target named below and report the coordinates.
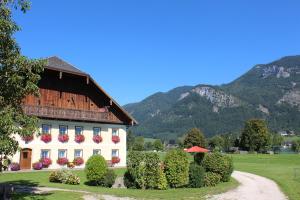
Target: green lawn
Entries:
(41, 179)
(49, 196)
(284, 169)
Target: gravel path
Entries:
(252, 187)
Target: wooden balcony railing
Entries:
(69, 114)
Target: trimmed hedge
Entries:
(177, 168)
(95, 170)
(211, 179)
(64, 176)
(196, 176)
(220, 164)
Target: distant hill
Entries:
(270, 91)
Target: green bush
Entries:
(95, 169)
(211, 179)
(220, 164)
(196, 176)
(177, 168)
(64, 176)
(199, 157)
(162, 183)
(109, 178)
(129, 181)
(136, 169)
(151, 174)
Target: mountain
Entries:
(269, 91)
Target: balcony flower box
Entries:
(27, 138)
(14, 166)
(78, 161)
(37, 166)
(115, 160)
(63, 138)
(79, 138)
(115, 139)
(46, 162)
(62, 161)
(46, 138)
(97, 139)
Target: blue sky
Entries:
(136, 48)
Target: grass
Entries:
(41, 179)
(291, 138)
(284, 169)
(49, 196)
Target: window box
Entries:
(97, 139)
(115, 160)
(115, 139)
(79, 138)
(46, 162)
(46, 138)
(62, 161)
(27, 138)
(63, 138)
(37, 166)
(78, 161)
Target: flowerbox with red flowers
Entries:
(115, 160)
(63, 138)
(27, 138)
(115, 139)
(46, 138)
(79, 138)
(46, 162)
(97, 139)
(37, 166)
(62, 161)
(78, 161)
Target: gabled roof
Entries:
(57, 64)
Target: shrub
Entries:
(115, 139)
(46, 138)
(196, 176)
(211, 179)
(79, 138)
(95, 169)
(162, 183)
(109, 178)
(64, 176)
(62, 161)
(14, 166)
(135, 163)
(46, 162)
(199, 157)
(129, 181)
(63, 138)
(37, 166)
(177, 168)
(97, 139)
(78, 161)
(151, 173)
(220, 164)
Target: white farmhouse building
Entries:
(77, 119)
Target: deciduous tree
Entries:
(194, 137)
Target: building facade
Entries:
(78, 119)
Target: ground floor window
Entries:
(97, 152)
(45, 153)
(62, 153)
(78, 153)
(115, 153)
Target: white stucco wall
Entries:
(87, 146)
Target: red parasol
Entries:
(197, 149)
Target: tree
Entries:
(148, 146)
(18, 78)
(217, 142)
(296, 146)
(194, 137)
(130, 139)
(277, 140)
(158, 145)
(138, 144)
(255, 136)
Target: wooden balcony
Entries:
(69, 114)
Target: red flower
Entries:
(37, 166)
(97, 139)
(79, 138)
(62, 161)
(46, 162)
(115, 160)
(46, 138)
(27, 138)
(78, 161)
(115, 139)
(63, 138)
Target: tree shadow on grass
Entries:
(28, 196)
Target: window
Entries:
(97, 152)
(77, 153)
(45, 153)
(115, 153)
(96, 131)
(62, 153)
(78, 130)
(115, 132)
(46, 129)
(63, 130)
